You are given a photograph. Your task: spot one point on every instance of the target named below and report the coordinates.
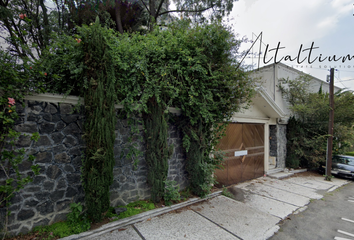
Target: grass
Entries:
(135, 208)
(350, 153)
(64, 229)
(51, 232)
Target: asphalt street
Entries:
(331, 217)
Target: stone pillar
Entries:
(281, 145)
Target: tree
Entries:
(218, 8)
(118, 14)
(307, 130)
(27, 27)
(28, 24)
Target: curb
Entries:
(137, 218)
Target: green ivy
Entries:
(193, 68)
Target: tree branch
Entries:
(184, 10)
(159, 8)
(145, 5)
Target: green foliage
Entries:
(211, 90)
(349, 153)
(63, 61)
(157, 152)
(99, 97)
(111, 213)
(199, 165)
(15, 83)
(226, 192)
(136, 208)
(77, 220)
(191, 67)
(306, 144)
(76, 223)
(307, 131)
(171, 192)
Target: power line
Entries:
(351, 79)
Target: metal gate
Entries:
(244, 149)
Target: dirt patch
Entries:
(99, 224)
(238, 193)
(307, 174)
(33, 236)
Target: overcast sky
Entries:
(329, 24)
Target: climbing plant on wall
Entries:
(212, 88)
(191, 67)
(17, 81)
(143, 69)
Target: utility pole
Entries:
(330, 126)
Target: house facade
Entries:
(255, 141)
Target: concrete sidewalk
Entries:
(254, 212)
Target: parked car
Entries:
(342, 166)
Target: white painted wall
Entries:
(268, 77)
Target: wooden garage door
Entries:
(241, 136)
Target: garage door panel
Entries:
(254, 150)
(248, 137)
(238, 137)
(259, 166)
(234, 135)
(221, 177)
(258, 133)
(234, 170)
(248, 172)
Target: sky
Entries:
(328, 24)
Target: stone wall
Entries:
(58, 153)
(273, 140)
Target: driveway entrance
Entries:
(244, 149)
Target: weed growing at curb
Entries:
(226, 192)
(171, 192)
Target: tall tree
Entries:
(307, 130)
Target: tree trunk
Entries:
(118, 17)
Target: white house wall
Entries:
(268, 77)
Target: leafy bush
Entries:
(77, 220)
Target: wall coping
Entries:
(70, 99)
